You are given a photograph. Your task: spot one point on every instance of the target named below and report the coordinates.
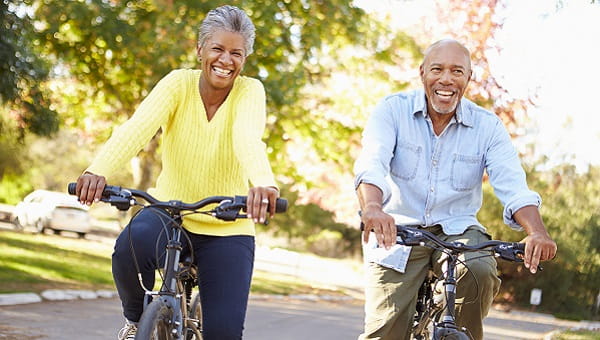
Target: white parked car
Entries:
(6, 212)
(52, 210)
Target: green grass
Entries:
(577, 335)
(34, 262)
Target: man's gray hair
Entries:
(231, 19)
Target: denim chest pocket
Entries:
(406, 160)
(467, 172)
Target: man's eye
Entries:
(459, 72)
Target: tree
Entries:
(475, 23)
(570, 212)
(23, 71)
(25, 104)
(120, 49)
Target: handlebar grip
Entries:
(281, 205)
(108, 189)
(72, 188)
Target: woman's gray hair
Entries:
(231, 19)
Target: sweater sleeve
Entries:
(129, 138)
(248, 129)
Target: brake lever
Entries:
(512, 253)
(122, 200)
(410, 237)
(509, 253)
(228, 210)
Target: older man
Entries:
(423, 158)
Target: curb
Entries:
(73, 294)
(54, 295)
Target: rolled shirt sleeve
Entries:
(378, 141)
(507, 176)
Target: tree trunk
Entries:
(148, 164)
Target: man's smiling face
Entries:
(445, 72)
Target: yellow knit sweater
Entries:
(199, 158)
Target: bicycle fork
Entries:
(169, 292)
(170, 283)
(447, 324)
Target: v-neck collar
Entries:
(218, 112)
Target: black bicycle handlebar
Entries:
(413, 236)
(227, 209)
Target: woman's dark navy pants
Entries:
(225, 265)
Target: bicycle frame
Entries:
(167, 313)
(172, 290)
(430, 311)
(448, 325)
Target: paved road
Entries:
(267, 318)
(271, 318)
(100, 319)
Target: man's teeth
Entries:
(221, 71)
(444, 93)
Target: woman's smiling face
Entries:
(223, 56)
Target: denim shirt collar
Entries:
(463, 115)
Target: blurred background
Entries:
(71, 71)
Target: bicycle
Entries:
(433, 319)
(171, 313)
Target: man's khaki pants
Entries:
(390, 296)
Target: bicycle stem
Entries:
(450, 289)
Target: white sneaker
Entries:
(128, 331)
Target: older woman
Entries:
(212, 121)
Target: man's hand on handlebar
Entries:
(90, 187)
(382, 224)
(539, 247)
(260, 201)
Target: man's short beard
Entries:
(444, 112)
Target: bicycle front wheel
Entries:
(450, 334)
(156, 322)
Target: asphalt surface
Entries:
(97, 315)
(268, 317)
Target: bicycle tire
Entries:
(457, 336)
(155, 323)
(195, 313)
(453, 335)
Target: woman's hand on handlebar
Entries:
(261, 200)
(89, 188)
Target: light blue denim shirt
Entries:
(428, 179)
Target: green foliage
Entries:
(22, 71)
(122, 48)
(311, 228)
(13, 188)
(572, 217)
